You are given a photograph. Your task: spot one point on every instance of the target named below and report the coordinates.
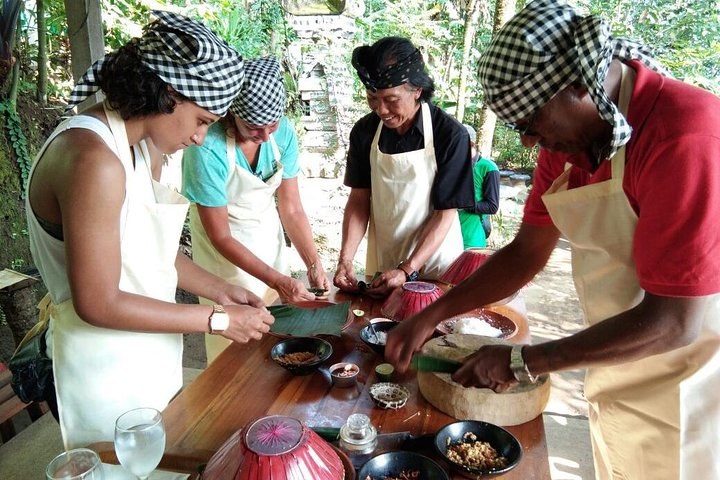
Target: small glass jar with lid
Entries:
(358, 435)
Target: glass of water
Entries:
(140, 440)
(77, 464)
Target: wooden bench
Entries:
(11, 405)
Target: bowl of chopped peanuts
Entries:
(478, 450)
(301, 355)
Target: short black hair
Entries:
(131, 88)
(388, 50)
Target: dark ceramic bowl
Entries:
(392, 464)
(500, 439)
(318, 346)
(380, 325)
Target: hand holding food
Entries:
(292, 290)
(345, 276)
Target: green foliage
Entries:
(17, 140)
(683, 34)
(254, 30)
(509, 153)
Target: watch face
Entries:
(413, 276)
(219, 321)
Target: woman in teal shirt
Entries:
(243, 185)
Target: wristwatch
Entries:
(409, 277)
(519, 367)
(219, 320)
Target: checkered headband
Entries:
(187, 56)
(546, 47)
(262, 97)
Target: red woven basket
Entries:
(278, 448)
(466, 263)
(409, 299)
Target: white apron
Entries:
(254, 222)
(101, 373)
(653, 418)
(401, 204)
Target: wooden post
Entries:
(87, 43)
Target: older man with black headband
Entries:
(409, 169)
(623, 146)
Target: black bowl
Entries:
(392, 464)
(318, 346)
(500, 439)
(380, 325)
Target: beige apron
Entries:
(401, 204)
(254, 222)
(651, 418)
(101, 373)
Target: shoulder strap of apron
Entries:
(275, 149)
(231, 155)
(627, 82)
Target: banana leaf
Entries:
(302, 322)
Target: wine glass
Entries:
(140, 440)
(77, 464)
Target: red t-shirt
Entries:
(672, 181)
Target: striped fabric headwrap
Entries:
(187, 56)
(546, 47)
(262, 98)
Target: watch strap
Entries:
(411, 276)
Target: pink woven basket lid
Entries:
(275, 447)
(466, 263)
(409, 299)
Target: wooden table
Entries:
(244, 383)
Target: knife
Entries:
(427, 363)
(386, 442)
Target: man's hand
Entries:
(247, 323)
(489, 367)
(405, 339)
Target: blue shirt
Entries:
(205, 167)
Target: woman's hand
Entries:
(317, 277)
(388, 281)
(345, 277)
(235, 294)
(292, 290)
(247, 323)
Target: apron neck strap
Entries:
(627, 82)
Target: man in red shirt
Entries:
(629, 174)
